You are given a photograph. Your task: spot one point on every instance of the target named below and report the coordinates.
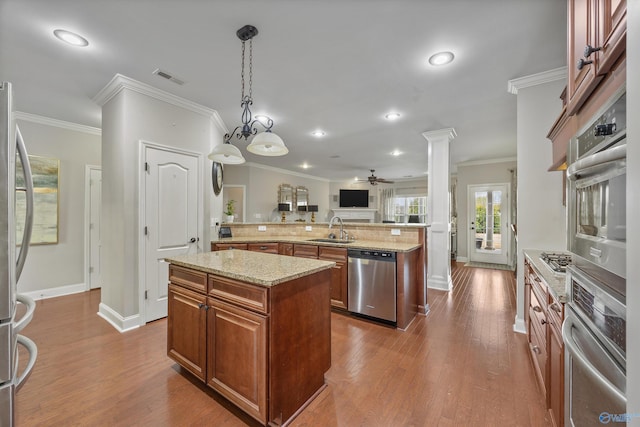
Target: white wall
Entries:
(128, 117)
(61, 265)
(473, 174)
(540, 213)
(262, 184)
(633, 211)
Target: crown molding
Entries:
(19, 115)
(120, 82)
(514, 85)
(487, 161)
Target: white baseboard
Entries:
(122, 324)
(462, 259)
(55, 292)
(440, 284)
(519, 326)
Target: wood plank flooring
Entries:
(461, 365)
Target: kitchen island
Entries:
(254, 327)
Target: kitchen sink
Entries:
(330, 241)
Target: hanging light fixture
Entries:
(265, 143)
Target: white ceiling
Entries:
(338, 65)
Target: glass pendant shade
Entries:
(226, 154)
(267, 144)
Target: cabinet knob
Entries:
(588, 50)
(537, 309)
(544, 322)
(536, 349)
(556, 307)
(582, 63)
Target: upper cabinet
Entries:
(596, 45)
(597, 32)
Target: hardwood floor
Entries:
(461, 365)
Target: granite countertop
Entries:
(252, 267)
(356, 244)
(555, 281)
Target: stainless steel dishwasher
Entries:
(372, 283)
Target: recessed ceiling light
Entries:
(305, 165)
(392, 116)
(441, 58)
(71, 38)
(318, 133)
(396, 152)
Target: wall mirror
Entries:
(286, 195)
(302, 197)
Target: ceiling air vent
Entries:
(168, 76)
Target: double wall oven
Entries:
(594, 331)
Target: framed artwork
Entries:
(45, 200)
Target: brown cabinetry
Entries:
(544, 332)
(597, 39)
(237, 360)
(305, 251)
(270, 248)
(339, 298)
(285, 249)
(224, 246)
(265, 349)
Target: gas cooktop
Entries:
(556, 261)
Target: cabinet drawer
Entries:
(332, 254)
(538, 348)
(270, 248)
(285, 249)
(538, 317)
(242, 294)
(305, 251)
(223, 246)
(188, 278)
(555, 315)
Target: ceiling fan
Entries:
(374, 180)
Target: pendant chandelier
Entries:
(265, 143)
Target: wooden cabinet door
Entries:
(269, 248)
(612, 33)
(556, 377)
(187, 329)
(582, 31)
(237, 357)
(339, 288)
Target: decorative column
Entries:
(439, 231)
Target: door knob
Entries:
(193, 240)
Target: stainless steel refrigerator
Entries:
(12, 256)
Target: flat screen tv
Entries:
(354, 198)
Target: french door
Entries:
(488, 239)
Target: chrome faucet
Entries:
(341, 226)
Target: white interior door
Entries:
(95, 240)
(488, 222)
(171, 188)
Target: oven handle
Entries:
(591, 370)
(596, 161)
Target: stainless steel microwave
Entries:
(597, 190)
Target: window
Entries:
(407, 208)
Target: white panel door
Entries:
(488, 221)
(171, 218)
(95, 240)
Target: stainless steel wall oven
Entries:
(594, 330)
(597, 190)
